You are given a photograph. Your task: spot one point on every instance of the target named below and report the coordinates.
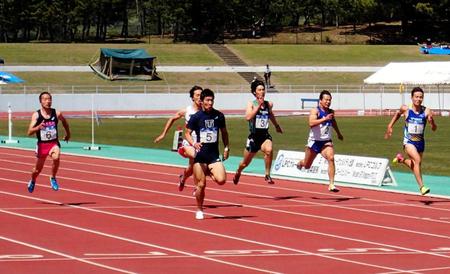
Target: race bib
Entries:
(325, 132)
(208, 136)
(262, 121)
(48, 133)
(415, 128)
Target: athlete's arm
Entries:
(394, 119)
(225, 140)
(314, 121)
(430, 119)
(65, 125)
(274, 119)
(169, 124)
(31, 128)
(191, 141)
(251, 110)
(336, 128)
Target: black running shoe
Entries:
(269, 180)
(181, 183)
(236, 178)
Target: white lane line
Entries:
(101, 257)
(180, 227)
(259, 185)
(256, 185)
(248, 206)
(423, 270)
(65, 255)
(119, 237)
(265, 196)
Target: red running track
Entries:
(113, 216)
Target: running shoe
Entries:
(199, 215)
(54, 183)
(181, 183)
(269, 180)
(236, 178)
(398, 158)
(424, 190)
(333, 189)
(31, 186)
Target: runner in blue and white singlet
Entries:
(320, 135)
(321, 122)
(416, 118)
(413, 131)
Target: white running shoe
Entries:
(199, 215)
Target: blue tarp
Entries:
(9, 78)
(443, 50)
(126, 53)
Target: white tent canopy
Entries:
(412, 73)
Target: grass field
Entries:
(55, 79)
(363, 136)
(195, 54)
(332, 55)
(81, 54)
(190, 54)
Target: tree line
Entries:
(211, 20)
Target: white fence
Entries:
(133, 88)
(226, 101)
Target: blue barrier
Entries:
(308, 100)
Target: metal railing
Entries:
(143, 89)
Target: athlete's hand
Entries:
(66, 138)
(329, 117)
(388, 133)
(41, 125)
(197, 146)
(340, 137)
(159, 138)
(260, 100)
(226, 154)
(279, 129)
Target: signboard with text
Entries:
(349, 169)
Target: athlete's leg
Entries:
(188, 171)
(189, 151)
(248, 156)
(217, 172)
(38, 168)
(200, 184)
(306, 162)
(328, 154)
(55, 155)
(266, 148)
(414, 162)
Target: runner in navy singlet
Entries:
(416, 117)
(207, 123)
(258, 113)
(44, 123)
(321, 123)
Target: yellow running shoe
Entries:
(424, 190)
(398, 158)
